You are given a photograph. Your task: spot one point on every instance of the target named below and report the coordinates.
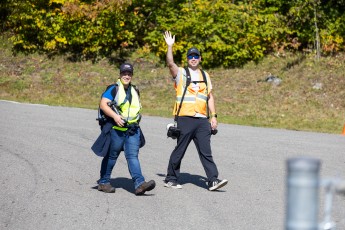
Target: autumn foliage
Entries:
(228, 33)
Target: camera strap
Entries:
(184, 92)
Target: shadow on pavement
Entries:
(186, 178)
(121, 182)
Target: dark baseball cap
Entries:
(193, 50)
(126, 67)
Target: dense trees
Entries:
(228, 32)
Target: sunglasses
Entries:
(195, 56)
(126, 73)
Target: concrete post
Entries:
(302, 194)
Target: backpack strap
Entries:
(102, 118)
(184, 92)
(114, 90)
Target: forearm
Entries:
(212, 110)
(170, 57)
(109, 112)
(211, 104)
(170, 62)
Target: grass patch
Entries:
(310, 97)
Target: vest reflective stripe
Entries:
(191, 99)
(130, 111)
(120, 128)
(194, 101)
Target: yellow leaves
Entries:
(136, 11)
(39, 23)
(144, 50)
(338, 39)
(61, 40)
(92, 9)
(50, 45)
(122, 23)
(185, 10)
(331, 43)
(57, 2)
(29, 46)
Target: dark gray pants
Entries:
(198, 130)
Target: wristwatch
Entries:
(214, 115)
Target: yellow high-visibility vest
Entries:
(130, 111)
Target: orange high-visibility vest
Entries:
(193, 101)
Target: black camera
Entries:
(173, 131)
(117, 110)
(114, 107)
(102, 120)
(214, 131)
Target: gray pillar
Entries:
(302, 194)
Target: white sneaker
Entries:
(217, 184)
(171, 184)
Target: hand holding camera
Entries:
(120, 122)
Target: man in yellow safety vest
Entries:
(192, 115)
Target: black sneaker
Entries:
(144, 187)
(107, 188)
(217, 184)
(171, 184)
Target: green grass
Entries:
(240, 99)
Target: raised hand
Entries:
(169, 39)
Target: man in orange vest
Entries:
(192, 116)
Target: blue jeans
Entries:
(130, 145)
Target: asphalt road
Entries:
(49, 175)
